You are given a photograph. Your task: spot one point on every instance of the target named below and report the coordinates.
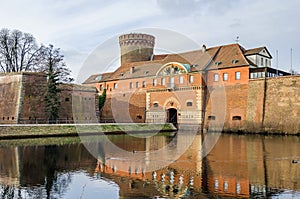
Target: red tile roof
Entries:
(232, 55)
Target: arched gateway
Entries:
(172, 116)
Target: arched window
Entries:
(155, 104)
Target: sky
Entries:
(78, 27)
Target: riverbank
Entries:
(60, 130)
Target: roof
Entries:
(231, 55)
(97, 78)
(254, 50)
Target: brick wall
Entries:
(32, 106)
(125, 107)
(9, 98)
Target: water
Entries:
(238, 166)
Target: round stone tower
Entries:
(136, 47)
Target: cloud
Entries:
(80, 25)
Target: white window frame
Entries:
(216, 77)
(237, 75)
(191, 79)
(225, 76)
(181, 80)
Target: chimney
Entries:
(132, 70)
(203, 48)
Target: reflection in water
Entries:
(238, 166)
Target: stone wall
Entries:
(10, 87)
(22, 100)
(32, 99)
(274, 105)
(282, 104)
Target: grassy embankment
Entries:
(36, 131)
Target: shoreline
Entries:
(20, 131)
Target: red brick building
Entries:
(205, 87)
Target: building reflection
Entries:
(237, 166)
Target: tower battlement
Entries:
(136, 47)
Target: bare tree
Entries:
(53, 64)
(18, 51)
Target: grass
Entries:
(12, 132)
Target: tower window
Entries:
(144, 84)
(130, 85)
(115, 86)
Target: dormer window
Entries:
(98, 78)
(235, 61)
(218, 63)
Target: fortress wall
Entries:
(10, 91)
(255, 103)
(32, 106)
(225, 104)
(282, 106)
(125, 107)
(274, 105)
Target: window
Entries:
(144, 84)
(266, 62)
(101, 87)
(115, 86)
(139, 117)
(235, 61)
(181, 80)
(172, 82)
(236, 118)
(225, 76)
(237, 75)
(130, 85)
(137, 84)
(163, 82)
(211, 117)
(262, 61)
(191, 79)
(154, 82)
(189, 104)
(155, 104)
(67, 99)
(216, 77)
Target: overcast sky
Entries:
(79, 26)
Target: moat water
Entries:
(236, 166)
